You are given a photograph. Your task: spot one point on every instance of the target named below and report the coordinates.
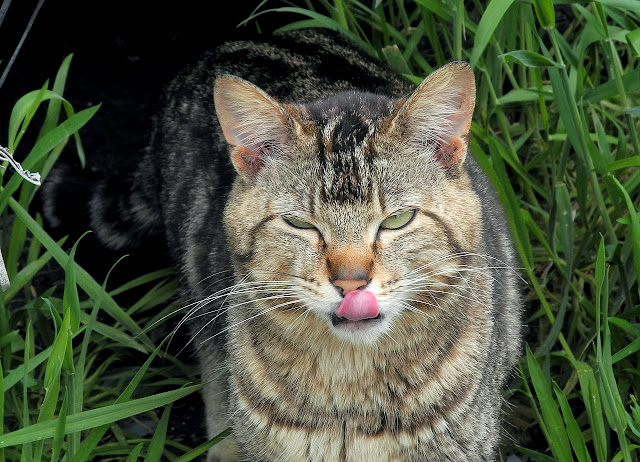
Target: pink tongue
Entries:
(358, 305)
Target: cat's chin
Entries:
(364, 331)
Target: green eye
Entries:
(398, 220)
(299, 223)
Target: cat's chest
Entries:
(353, 405)
(352, 437)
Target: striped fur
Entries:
(325, 135)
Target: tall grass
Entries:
(556, 130)
(62, 388)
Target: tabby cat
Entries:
(355, 297)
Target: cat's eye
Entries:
(398, 220)
(299, 223)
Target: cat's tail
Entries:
(121, 209)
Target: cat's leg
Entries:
(216, 401)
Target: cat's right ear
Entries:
(255, 125)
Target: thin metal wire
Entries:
(5, 155)
(22, 39)
(3, 10)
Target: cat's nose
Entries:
(349, 285)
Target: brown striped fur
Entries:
(319, 133)
(424, 382)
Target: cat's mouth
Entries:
(353, 325)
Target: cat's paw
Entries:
(225, 451)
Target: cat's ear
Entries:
(437, 116)
(254, 124)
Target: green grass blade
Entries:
(486, 27)
(7, 339)
(564, 229)
(395, 60)
(629, 5)
(534, 455)
(70, 298)
(619, 456)
(512, 207)
(204, 447)
(545, 13)
(79, 378)
(53, 111)
(86, 282)
(326, 21)
(18, 236)
(26, 448)
(44, 145)
(114, 334)
(22, 113)
(302, 24)
(574, 123)
(53, 369)
(58, 437)
(133, 457)
(627, 351)
(96, 434)
(609, 89)
(95, 417)
(52, 373)
(1, 408)
(635, 231)
(5, 354)
(614, 408)
(54, 365)
(15, 375)
(154, 453)
(558, 438)
(529, 59)
(624, 163)
(150, 277)
(633, 39)
(573, 429)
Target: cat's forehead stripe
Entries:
(346, 158)
(343, 147)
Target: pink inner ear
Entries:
(452, 152)
(248, 160)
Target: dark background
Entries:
(125, 52)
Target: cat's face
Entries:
(349, 215)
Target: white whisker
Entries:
(261, 313)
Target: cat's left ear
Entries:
(255, 125)
(437, 116)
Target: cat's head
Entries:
(349, 214)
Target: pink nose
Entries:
(349, 285)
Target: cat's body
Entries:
(355, 195)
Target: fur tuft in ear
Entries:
(437, 116)
(255, 125)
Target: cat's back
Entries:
(298, 66)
